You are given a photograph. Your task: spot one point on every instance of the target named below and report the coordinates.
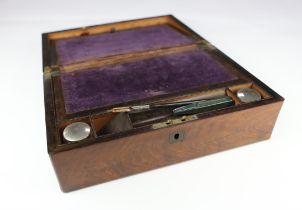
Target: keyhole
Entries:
(176, 137)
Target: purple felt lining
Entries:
(107, 44)
(108, 85)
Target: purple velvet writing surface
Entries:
(108, 85)
(107, 44)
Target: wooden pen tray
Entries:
(88, 71)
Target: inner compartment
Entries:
(110, 85)
(109, 123)
(112, 123)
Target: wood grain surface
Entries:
(105, 161)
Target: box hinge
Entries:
(51, 70)
(47, 69)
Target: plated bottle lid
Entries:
(76, 131)
(247, 95)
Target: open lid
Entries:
(109, 65)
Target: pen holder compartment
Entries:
(149, 117)
(143, 118)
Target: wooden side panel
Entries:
(106, 161)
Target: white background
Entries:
(265, 37)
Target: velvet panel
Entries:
(108, 85)
(83, 48)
